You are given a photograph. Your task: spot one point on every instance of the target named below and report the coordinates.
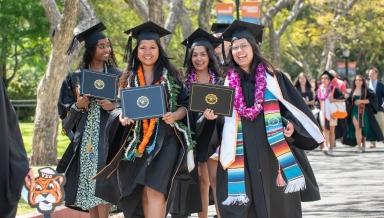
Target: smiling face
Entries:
(200, 58)
(359, 81)
(242, 53)
(102, 50)
(302, 79)
(148, 52)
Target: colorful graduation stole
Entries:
(293, 179)
(236, 181)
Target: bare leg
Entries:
(156, 203)
(94, 212)
(144, 198)
(358, 134)
(212, 169)
(204, 189)
(103, 210)
(332, 137)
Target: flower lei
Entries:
(239, 101)
(323, 93)
(192, 78)
(147, 127)
(174, 90)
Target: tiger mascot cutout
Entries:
(46, 192)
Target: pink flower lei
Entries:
(239, 101)
(323, 92)
(192, 78)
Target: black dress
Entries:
(74, 124)
(261, 166)
(307, 95)
(13, 158)
(156, 170)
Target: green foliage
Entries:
(25, 44)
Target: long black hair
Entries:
(213, 62)
(161, 63)
(89, 53)
(257, 59)
(364, 90)
(307, 83)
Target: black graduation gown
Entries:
(261, 166)
(156, 170)
(185, 195)
(370, 110)
(74, 123)
(13, 158)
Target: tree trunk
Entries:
(275, 34)
(155, 9)
(173, 18)
(44, 146)
(205, 14)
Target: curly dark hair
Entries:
(90, 53)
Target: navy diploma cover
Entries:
(98, 85)
(143, 102)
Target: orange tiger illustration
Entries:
(46, 191)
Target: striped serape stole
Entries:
(236, 177)
(294, 179)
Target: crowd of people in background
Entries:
(363, 99)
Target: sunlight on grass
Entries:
(27, 133)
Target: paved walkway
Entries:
(351, 184)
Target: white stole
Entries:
(228, 142)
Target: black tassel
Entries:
(128, 49)
(223, 51)
(186, 55)
(72, 46)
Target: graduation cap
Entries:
(327, 73)
(241, 29)
(145, 31)
(90, 36)
(219, 27)
(200, 37)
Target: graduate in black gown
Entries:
(202, 67)
(263, 170)
(14, 167)
(84, 120)
(148, 153)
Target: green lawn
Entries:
(27, 133)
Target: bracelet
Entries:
(74, 106)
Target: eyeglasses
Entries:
(102, 46)
(242, 47)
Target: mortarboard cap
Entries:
(241, 29)
(90, 36)
(200, 37)
(219, 27)
(326, 72)
(145, 31)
